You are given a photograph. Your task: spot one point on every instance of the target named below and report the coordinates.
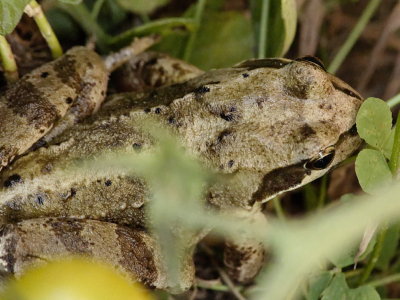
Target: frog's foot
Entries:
(133, 252)
(244, 257)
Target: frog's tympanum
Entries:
(267, 126)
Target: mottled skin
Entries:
(29, 109)
(262, 125)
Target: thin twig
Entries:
(263, 35)
(392, 102)
(192, 38)
(8, 60)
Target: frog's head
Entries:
(295, 122)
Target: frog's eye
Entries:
(322, 161)
(314, 60)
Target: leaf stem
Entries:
(354, 35)
(394, 158)
(392, 102)
(96, 9)
(263, 35)
(384, 281)
(8, 60)
(192, 38)
(151, 28)
(34, 10)
(375, 255)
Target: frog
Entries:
(266, 126)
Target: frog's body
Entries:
(267, 125)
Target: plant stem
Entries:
(393, 101)
(34, 10)
(96, 9)
(81, 15)
(354, 35)
(151, 28)
(394, 158)
(375, 255)
(385, 280)
(8, 60)
(192, 38)
(263, 35)
(278, 208)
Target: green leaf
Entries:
(363, 292)
(317, 284)
(389, 247)
(142, 6)
(224, 38)
(339, 290)
(372, 170)
(281, 26)
(10, 14)
(374, 122)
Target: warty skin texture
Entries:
(257, 125)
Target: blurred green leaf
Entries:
(71, 1)
(372, 170)
(318, 284)
(389, 247)
(281, 25)
(10, 14)
(224, 39)
(339, 290)
(142, 6)
(374, 123)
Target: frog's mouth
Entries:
(291, 177)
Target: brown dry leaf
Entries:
(393, 87)
(311, 21)
(392, 24)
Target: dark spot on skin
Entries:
(157, 110)
(306, 131)
(12, 180)
(136, 258)
(103, 93)
(201, 90)
(280, 179)
(44, 74)
(245, 75)
(171, 120)
(69, 100)
(137, 146)
(223, 134)
(231, 163)
(27, 101)
(39, 199)
(108, 182)
(73, 192)
(147, 110)
(9, 247)
(41, 130)
(227, 117)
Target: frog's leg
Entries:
(151, 70)
(134, 252)
(244, 257)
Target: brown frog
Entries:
(267, 126)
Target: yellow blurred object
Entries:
(74, 279)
